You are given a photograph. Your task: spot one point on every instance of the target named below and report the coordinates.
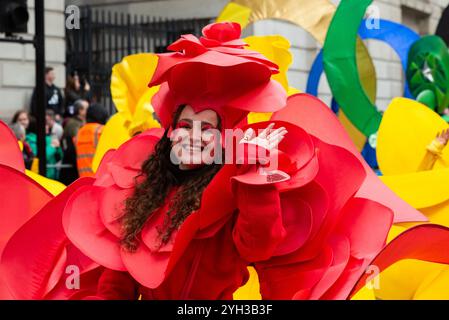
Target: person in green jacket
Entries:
(53, 149)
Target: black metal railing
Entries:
(105, 37)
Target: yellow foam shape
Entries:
(435, 286)
(52, 186)
(365, 293)
(132, 98)
(438, 214)
(114, 134)
(251, 290)
(407, 128)
(276, 49)
(404, 279)
(129, 83)
(395, 230)
(235, 13)
(421, 189)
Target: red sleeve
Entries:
(258, 229)
(116, 285)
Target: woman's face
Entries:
(194, 138)
(23, 120)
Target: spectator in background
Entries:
(75, 90)
(28, 155)
(69, 172)
(53, 149)
(21, 117)
(53, 96)
(86, 141)
(54, 128)
(74, 123)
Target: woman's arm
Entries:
(259, 229)
(434, 151)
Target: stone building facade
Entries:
(17, 67)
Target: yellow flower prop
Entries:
(132, 98)
(277, 49)
(250, 291)
(407, 128)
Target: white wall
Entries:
(17, 67)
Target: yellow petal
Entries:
(256, 117)
(251, 290)
(435, 286)
(52, 186)
(129, 80)
(292, 91)
(276, 49)
(402, 280)
(143, 118)
(364, 294)
(114, 134)
(421, 189)
(407, 128)
(235, 13)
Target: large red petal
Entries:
(10, 154)
(34, 258)
(86, 230)
(148, 268)
(316, 118)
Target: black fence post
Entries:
(89, 44)
(40, 84)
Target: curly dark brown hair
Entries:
(150, 194)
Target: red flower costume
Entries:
(310, 236)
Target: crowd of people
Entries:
(73, 126)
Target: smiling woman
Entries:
(149, 227)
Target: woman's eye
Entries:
(206, 127)
(183, 125)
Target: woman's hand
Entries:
(86, 86)
(443, 137)
(268, 138)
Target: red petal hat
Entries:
(216, 72)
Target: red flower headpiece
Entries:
(216, 72)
